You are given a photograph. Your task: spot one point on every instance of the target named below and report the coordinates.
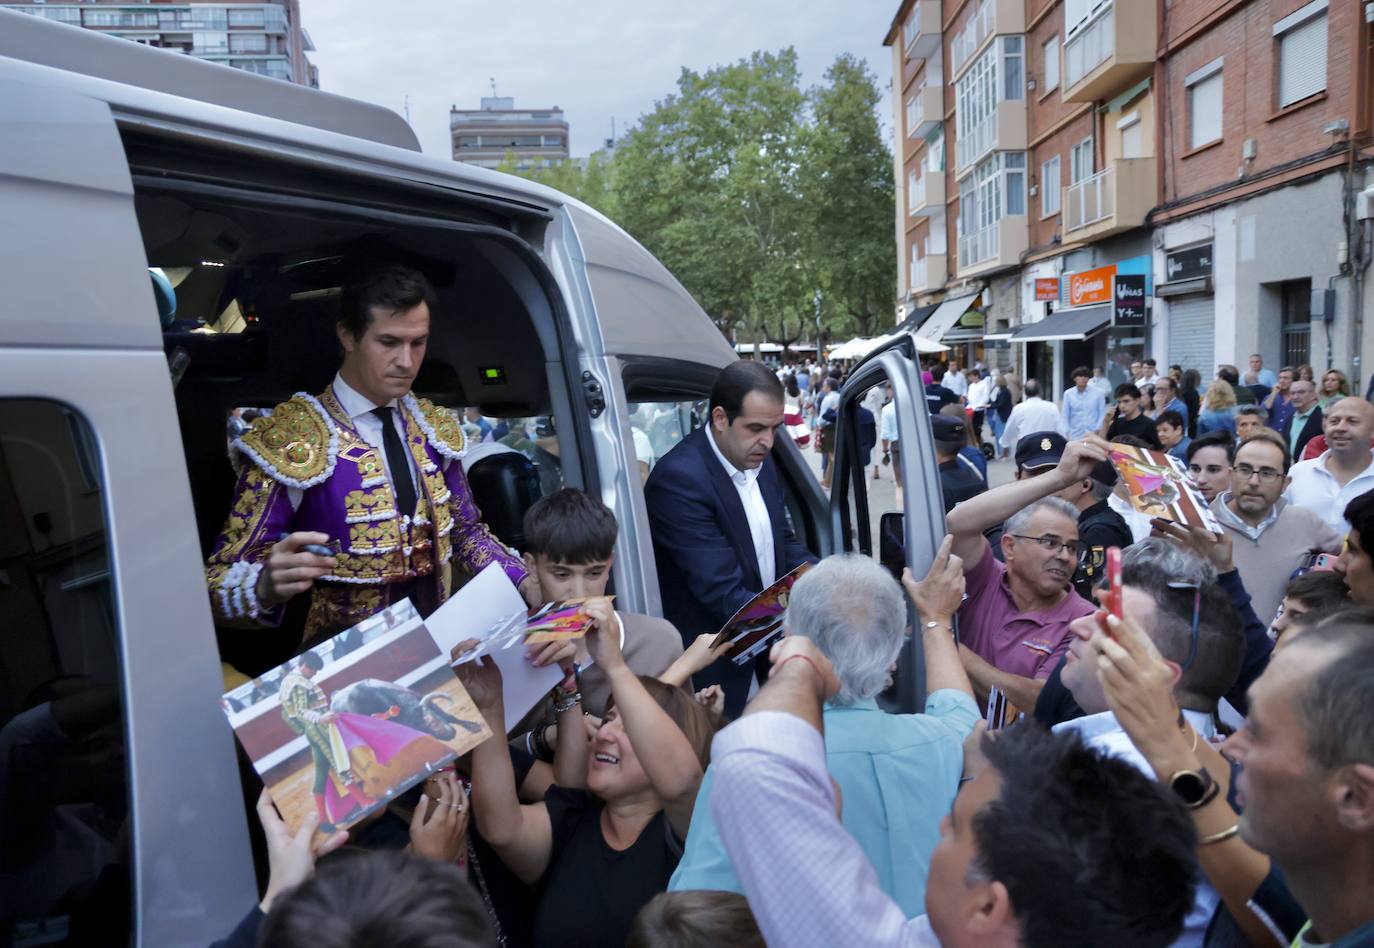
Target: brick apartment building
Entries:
(486, 136)
(1095, 181)
(261, 36)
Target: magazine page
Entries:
(490, 609)
(759, 622)
(1157, 485)
(347, 725)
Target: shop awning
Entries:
(1067, 324)
(915, 318)
(940, 322)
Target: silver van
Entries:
(122, 816)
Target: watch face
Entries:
(1189, 786)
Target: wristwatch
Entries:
(1195, 788)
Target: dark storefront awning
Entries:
(1069, 324)
(918, 316)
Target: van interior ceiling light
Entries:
(211, 263)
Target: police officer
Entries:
(959, 478)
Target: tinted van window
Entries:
(64, 814)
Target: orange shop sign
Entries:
(1091, 286)
(1046, 288)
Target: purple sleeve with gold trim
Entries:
(473, 544)
(261, 512)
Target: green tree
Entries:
(846, 184)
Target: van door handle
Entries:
(596, 397)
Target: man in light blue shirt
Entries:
(1258, 374)
(897, 773)
(1084, 408)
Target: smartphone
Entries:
(1323, 561)
(1114, 605)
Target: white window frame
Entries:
(1297, 35)
(911, 116)
(1130, 121)
(1077, 172)
(1051, 185)
(911, 191)
(1201, 78)
(1051, 62)
(1012, 50)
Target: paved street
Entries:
(881, 492)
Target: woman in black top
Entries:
(608, 838)
(1187, 392)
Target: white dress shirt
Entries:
(755, 510)
(957, 383)
(1032, 415)
(888, 424)
(369, 427)
(980, 394)
(1314, 487)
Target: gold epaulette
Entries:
(296, 444)
(440, 427)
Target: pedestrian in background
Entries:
(1218, 409)
(999, 410)
(1335, 386)
(1083, 407)
(1188, 393)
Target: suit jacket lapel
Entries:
(736, 522)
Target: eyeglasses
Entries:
(1266, 474)
(1075, 548)
(1197, 619)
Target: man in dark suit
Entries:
(1306, 421)
(716, 514)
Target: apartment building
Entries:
(485, 136)
(1111, 179)
(265, 37)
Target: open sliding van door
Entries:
(871, 517)
(121, 816)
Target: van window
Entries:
(658, 426)
(64, 801)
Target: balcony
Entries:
(1115, 199)
(927, 273)
(921, 31)
(995, 247)
(1109, 51)
(1003, 130)
(925, 110)
(928, 200)
(990, 17)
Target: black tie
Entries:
(399, 463)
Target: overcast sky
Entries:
(595, 59)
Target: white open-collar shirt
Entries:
(751, 497)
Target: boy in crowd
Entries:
(570, 546)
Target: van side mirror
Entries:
(892, 543)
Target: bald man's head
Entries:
(1349, 425)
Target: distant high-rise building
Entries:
(485, 136)
(264, 37)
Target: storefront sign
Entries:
(1046, 289)
(1091, 286)
(1191, 264)
(1129, 311)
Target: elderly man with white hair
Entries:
(897, 774)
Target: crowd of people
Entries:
(1195, 767)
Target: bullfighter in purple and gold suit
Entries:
(366, 464)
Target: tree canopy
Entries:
(756, 194)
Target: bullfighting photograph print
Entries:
(346, 726)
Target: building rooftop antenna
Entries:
(492, 80)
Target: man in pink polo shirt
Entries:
(1014, 624)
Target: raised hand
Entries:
(603, 638)
(289, 570)
(800, 651)
(482, 679)
(938, 597)
(1080, 457)
(290, 859)
(439, 826)
(1217, 550)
